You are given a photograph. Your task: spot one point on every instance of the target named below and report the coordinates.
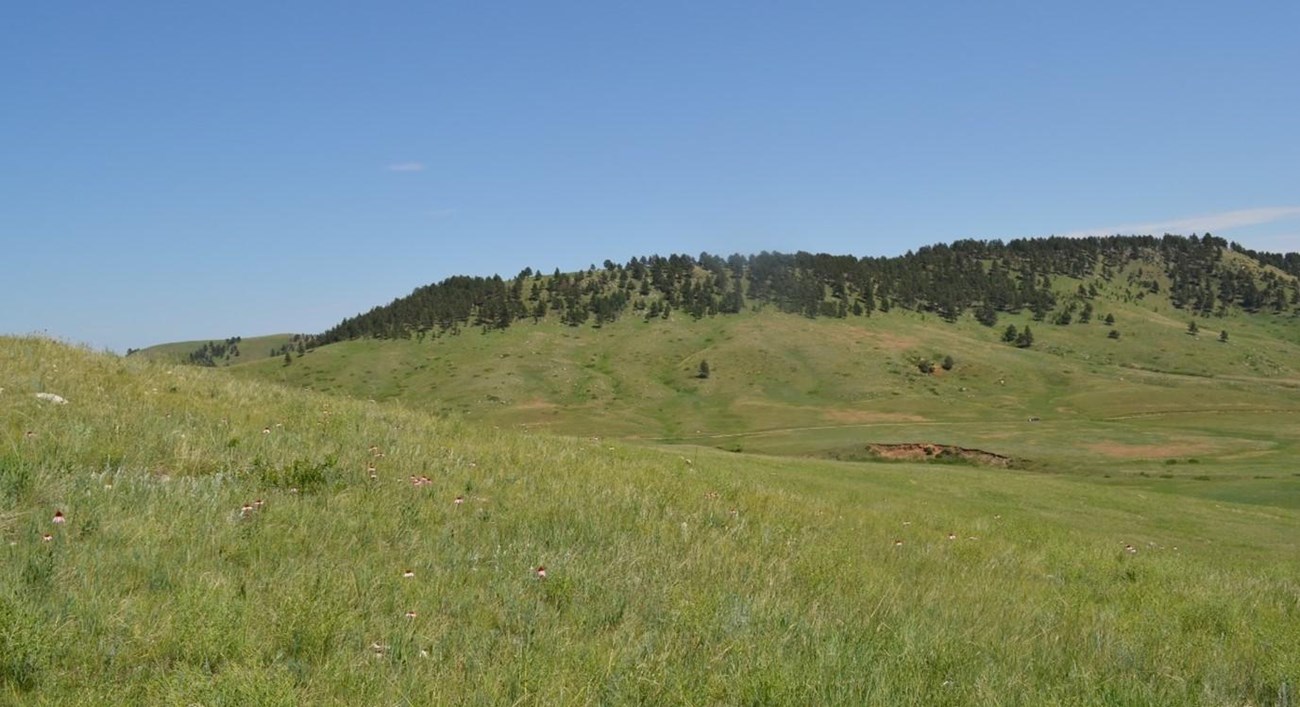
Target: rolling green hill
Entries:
(1115, 384)
(222, 352)
(229, 541)
(1146, 403)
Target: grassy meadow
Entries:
(231, 542)
(1156, 408)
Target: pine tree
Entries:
(704, 370)
(1026, 339)
(1223, 336)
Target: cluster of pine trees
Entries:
(213, 351)
(983, 278)
(298, 343)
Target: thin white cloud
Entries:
(406, 167)
(1197, 224)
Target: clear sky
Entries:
(174, 170)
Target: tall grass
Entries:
(728, 579)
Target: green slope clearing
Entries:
(228, 541)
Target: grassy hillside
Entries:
(1156, 402)
(252, 348)
(673, 575)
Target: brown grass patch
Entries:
(858, 417)
(1120, 450)
(534, 404)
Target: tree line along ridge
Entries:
(983, 278)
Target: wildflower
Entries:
(459, 500)
(898, 543)
(29, 434)
(424, 653)
(245, 510)
(1130, 549)
(293, 489)
(58, 518)
(408, 574)
(47, 537)
(410, 614)
(540, 571)
(266, 430)
(952, 536)
(259, 503)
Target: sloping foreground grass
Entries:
(711, 579)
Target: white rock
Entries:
(51, 397)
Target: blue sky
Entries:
(172, 171)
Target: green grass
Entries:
(675, 574)
(787, 385)
(251, 348)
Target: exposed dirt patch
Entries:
(926, 451)
(922, 452)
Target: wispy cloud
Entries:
(406, 167)
(1198, 224)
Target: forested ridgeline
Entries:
(981, 278)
